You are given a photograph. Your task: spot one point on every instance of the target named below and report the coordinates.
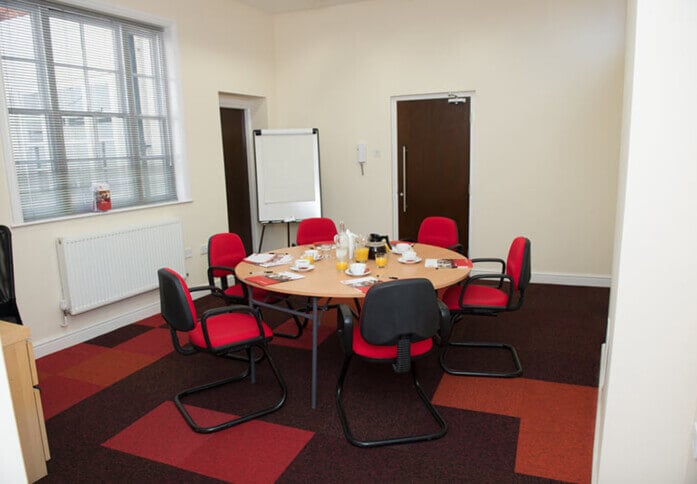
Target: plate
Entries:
(412, 261)
(303, 269)
(348, 271)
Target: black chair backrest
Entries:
(176, 304)
(8, 302)
(401, 308)
(525, 269)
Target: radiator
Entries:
(98, 269)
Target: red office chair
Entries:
(225, 251)
(441, 232)
(220, 331)
(471, 298)
(315, 230)
(8, 302)
(399, 322)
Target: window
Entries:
(87, 102)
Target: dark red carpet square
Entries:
(59, 393)
(155, 342)
(109, 367)
(255, 451)
(55, 363)
(305, 341)
(155, 321)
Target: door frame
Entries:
(470, 95)
(251, 106)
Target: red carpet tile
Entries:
(156, 342)
(108, 367)
(69, 376)
(155, 321)
(55, 363)
(255, 451)
(556, 420)
(58, 393)
(305, 341)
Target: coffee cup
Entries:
(402, 247)
(357, 268)
(410, 255)
(302, 264)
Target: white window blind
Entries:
(87, 102)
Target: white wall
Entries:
(223, 47)
(650, 396)
(547, 77)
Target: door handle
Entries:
(404, 179)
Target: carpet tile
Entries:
(108, 367)
(305, 341)
(557, 420)
(55, 363)
(156, 342)
(253, 452)
(59, 393)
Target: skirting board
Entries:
(589, 280)
(52, 345)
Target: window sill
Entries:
(99, 214)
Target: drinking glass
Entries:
(380, 258)
(341, 259)
(361, 253)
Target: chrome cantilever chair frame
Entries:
(460, 308)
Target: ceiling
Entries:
(280, 6)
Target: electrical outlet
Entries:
(187, 253)
(204, 249)
(694, 441)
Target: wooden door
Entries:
(236, 174)
(433, 137)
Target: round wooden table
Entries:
(324, 281)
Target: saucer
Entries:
(410, 261)
(302, 269)
(348, 271)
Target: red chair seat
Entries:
(226, 329)
(234, 291)
(475, 295)
(363, 348)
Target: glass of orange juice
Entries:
(361, 253)
(381, 258)
(341, 259)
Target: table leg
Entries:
(315, 330)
